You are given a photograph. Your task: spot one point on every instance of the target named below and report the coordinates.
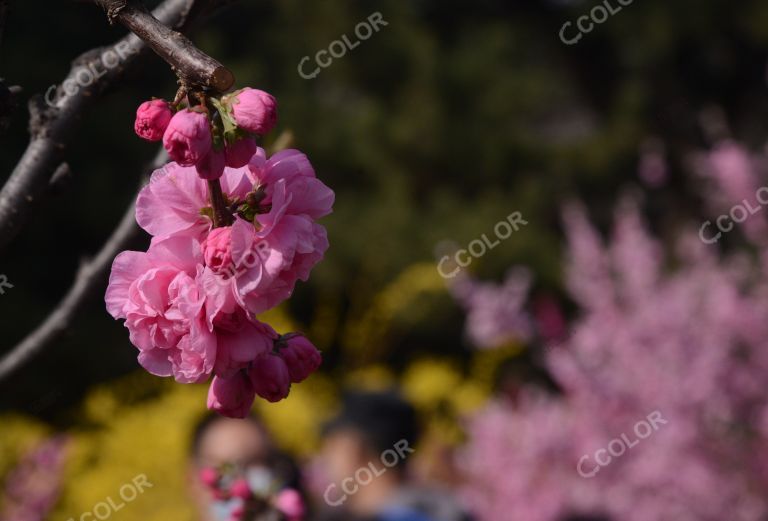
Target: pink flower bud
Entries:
(270, 377)
(240, 489)
(231, 397)
(301, 357)
(209, 477)
(152, 118)
(211, 166)
(217, 249)
(254, 110)
(240, 153)
(188, 137)
(289, 502)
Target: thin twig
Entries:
(52, 127)
(193, 66)
(90, 277)
(221, 214)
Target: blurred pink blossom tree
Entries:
(684, 335)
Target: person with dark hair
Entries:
(365, 455)
(232, 464)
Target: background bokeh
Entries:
(448, 119)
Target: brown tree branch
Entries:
(192, 66)
(52, 126)
(90, 277)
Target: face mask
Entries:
(260, 479)
(224, 509)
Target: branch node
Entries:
(40, 116)
(112, 8)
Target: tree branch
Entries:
(52, 125)
(193, 66)
(89, 278)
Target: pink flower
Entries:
(241, 339)
(152, 118)
(175, 200)
(239, 153)
(240, 488)
(495, 315)
(289, 502)
(217, 249)
(269, 264)
(211, 166)
(172, 201)
(188, 137)
(268, 257)
(232, 397)
(163, 306)
(301, 357)
(209, 476)
(308, 195)
(270, 377)
(254, 110)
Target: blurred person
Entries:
(237, 472)
(365, 454)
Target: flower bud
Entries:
(188, 137)
(254, 110)
(231, 397)
(217, 249)
(301, 357)
(211, 167)
(152, 118)
(209, 476)
(240, 152)
(270, 377)
(240, 489)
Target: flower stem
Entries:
(221, 216)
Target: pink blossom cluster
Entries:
(190, 302)
(34, 485)
(689, 341)
(495, 314)
(238, 498)
(191, 137)
(734, 176)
